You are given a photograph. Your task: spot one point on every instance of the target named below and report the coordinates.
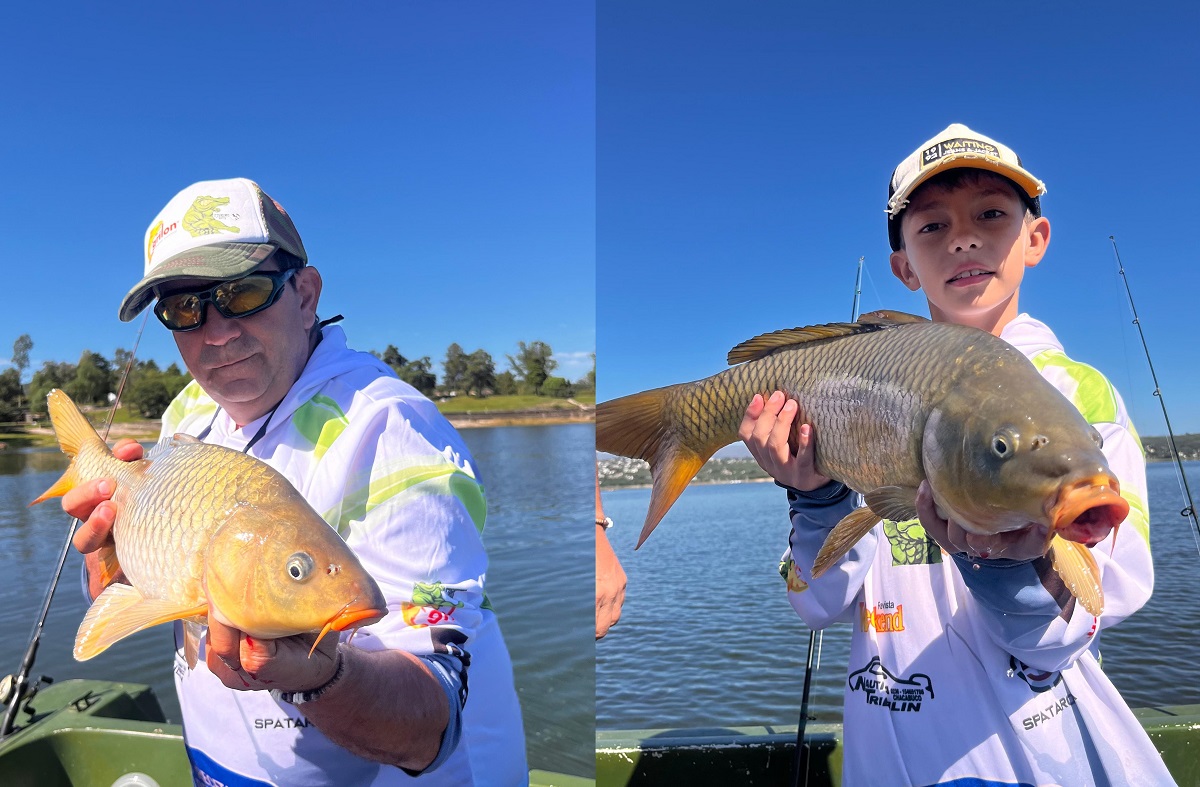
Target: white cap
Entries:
(956, 146)
(215, 229)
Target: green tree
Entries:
(419, 374)
(20, 359)
(481, 373)
(506, 384)
(454, 369)
(558, 387)
(10, 395)
(93, 379)
(392, 357)
(51, 375)
(148, 396)
(532, 364)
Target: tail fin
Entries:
(73, 432)
(639, 426)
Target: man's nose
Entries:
(218, 329)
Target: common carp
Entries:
(198, 522)
(893, 400)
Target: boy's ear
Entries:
(1038, 239)
(903, 270)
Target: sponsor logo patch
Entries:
(202, 217)
(1051, 712)
(882, 688)
(432, 604)
(885, 618)
(157, 233)
(958, 146)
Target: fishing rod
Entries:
(12, 690)
(1190, 510)
(802, 759)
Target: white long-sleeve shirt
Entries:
(964, 669)
(381, 465)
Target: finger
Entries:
(781, 431)
(82, 500)
(96, 532)
(224, 646)
(753, 411)
(766, 421)
(128, 450)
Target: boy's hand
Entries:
(1024, 544)
(91, 504)
(765, 429)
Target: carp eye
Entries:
(299, 566)
(1004, 443)
(1097, 438)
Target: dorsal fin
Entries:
(889, 317)
(765, 344)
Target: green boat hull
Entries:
(92, 733)
(762, 756)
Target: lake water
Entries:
(539, 482)
(707, 637)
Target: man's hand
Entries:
(610, 577)
(91, 504)
(1024, 544)
(610, 584)
(247, 663)
(765, 429)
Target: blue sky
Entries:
(743, 154)
(437, 158)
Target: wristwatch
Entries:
(301, 697)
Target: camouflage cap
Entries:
(215, 229)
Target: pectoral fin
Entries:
(844, 535)
(109, 567)
(897, 503)
(120, 611)
(192, 631)
(1077, 568)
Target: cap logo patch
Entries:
(202, 218)
(157, 233)
(954, 147)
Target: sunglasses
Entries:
(184, 311)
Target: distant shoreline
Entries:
(148, 430)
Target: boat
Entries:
(763, 756)
(97, 733)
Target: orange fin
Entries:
(120, 611)
(767, 343)
(74, 432)
(1077, 568)
(844, 535)
(639, 426)
(109, 568)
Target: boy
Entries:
(980, 665)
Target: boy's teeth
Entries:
(965, 274)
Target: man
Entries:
(373, 457)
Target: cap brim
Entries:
(1032, 186)
(219, 262)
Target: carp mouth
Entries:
(1088, 510)
(349, 617)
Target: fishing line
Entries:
(14, 689)
(1190, 510)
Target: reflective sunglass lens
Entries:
(244, 295)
